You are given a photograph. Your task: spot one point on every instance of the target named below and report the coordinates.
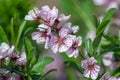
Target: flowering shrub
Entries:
(59, 36)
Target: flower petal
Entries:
(54, 47)
(94, 75)
(75, 29)
(63, 32)
(86, 73)
(63, 48)
(63, 18)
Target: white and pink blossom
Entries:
(73, 51)
(106, 76)
(22, 59)
(42, 36)
(72, 29)
(61, 42)
(109, 61)
(108, 3)
(91, 69)
(49, 15)
(33, 14)
(5, 50)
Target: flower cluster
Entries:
(54, 32)
(8, 52)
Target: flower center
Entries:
(91, 67)
(75, 45)
(60, 41)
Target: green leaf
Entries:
(29, 52)
(109, 14)
(12, 29)
(119, 36)
(21, 28)
(105, 21)
(89, 46)
(111, 48)
(73, 65)
(96, 21)
(96, 41)
(102, 27)
(116, 72)
(41, 64)
(111, 38)
(29, 48)
(52, 70)
(3, 36)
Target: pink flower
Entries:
(43, 35)
(33, 15)
(108, 3)
(106, 76)
(61, 42)
(72, 29)
(91, 70)
(109, 61)
(5, 50)
(112, 78)
(73, 51)
(49, 15)
(22, 60)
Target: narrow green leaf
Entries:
(116, 72)
(111, 38)
(41, 64)
(89, 46)
(105, 21)
(111, 48)
(3, 36)
(12, 30)
(97, 41)
(29, 48)
(119, 36)
(109, 14)
(96, 21)
(21, 28)
(73, 65)
(102, 27)
(52, 70)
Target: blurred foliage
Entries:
(81, 13)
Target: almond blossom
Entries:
(109, 61)
(33, 14)
(42, 36)
(73, 51)
(49, 15)
(22, 60)
(72, 29)
(61, 42)
(108, 3)
(106, 76)
(91, 70)
(5, 50)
